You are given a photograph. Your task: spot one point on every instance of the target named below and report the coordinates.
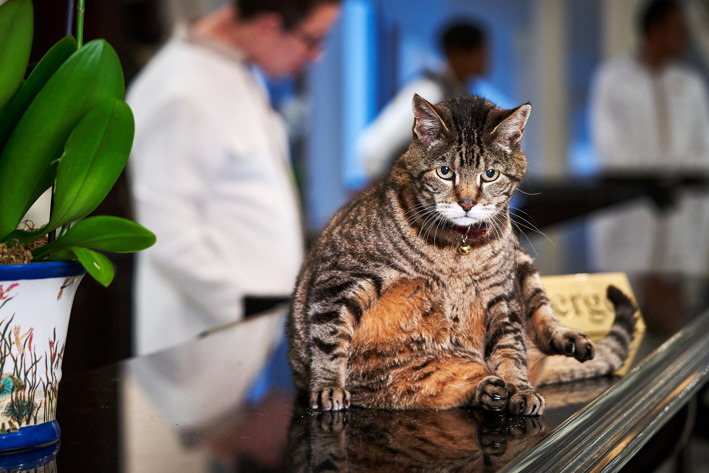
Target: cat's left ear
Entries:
(509, 132)
(428, 124)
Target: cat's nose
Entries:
(466, 204)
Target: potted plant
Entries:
(65, 128)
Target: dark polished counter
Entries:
(224, 403)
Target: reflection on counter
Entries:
(197, 406)
(369, 440)
(35, 460)
(471, 440)
(238, 414)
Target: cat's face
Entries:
(465, 161)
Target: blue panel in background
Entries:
(359, 67)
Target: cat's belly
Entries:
(407, 351)
(412, 317)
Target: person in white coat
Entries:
(209, 171)
(650, 116)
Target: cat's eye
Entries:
(444, 172)
(490, 175)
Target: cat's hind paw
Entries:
(491, 394)
(330, 399)
(526, 402)
(573, 343)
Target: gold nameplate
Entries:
(580, 301)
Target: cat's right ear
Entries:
(428, 124)
(508, 133)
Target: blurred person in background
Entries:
(650, 116)
(210, 171)
(388, 136)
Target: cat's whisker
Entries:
(418, 210)
(435, 225)
(423, 215)
(421, 206)
(498, 230)
(518, 210)
(421, 211)
(431, 224)
(430, 227)
(520, 226)
(431, 218)
(527, 238)
(527, 193)
(530, 226)
(435, 233)
(509, 243)
(516, 216)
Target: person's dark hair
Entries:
(292, 11)
(654, 13)
(462, 35)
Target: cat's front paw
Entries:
(331, 398)
(573, 343)
(491, 394)
(526, 402)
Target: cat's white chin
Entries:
(467, 221)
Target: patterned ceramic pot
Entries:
(35, 303)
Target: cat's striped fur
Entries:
(387, 313)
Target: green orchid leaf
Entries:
(96, 264)
(94, 157)
(27, 163)
(16, 24)
(103, 233)
(47, 66)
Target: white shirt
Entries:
(630, 107)
(652, 122)
(209, 174)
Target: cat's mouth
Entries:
(472, 231)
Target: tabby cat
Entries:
(418, 295)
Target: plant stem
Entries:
(67, 31)
(80, 23)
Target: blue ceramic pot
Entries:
(35, 303)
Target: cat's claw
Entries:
(330, 399)
(491, 394)
(573, 343)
